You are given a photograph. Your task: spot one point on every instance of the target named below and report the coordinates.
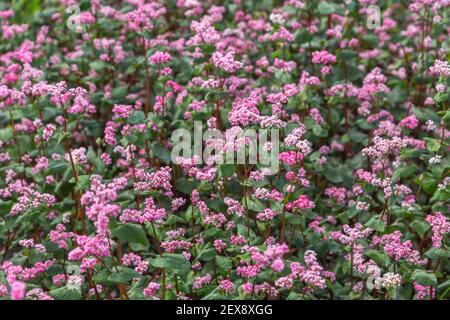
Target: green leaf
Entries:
(66, 293)
(131, 233)
(207, 254)
(404, 172)
(186, 186)
(429, 183)
(123, 276)
(356, 135)
(227, 170)
(254, 205)
(174, 262)
(97, 65)
(303, 37)
(376, 224)
(433, 145)
(224, 262)
(119, 93)
(83, 182)
(332, 174)
(424, 278)
(326, 8)
(6, 134)
(346, 55)
(421, 227)
(173, 218)
(136, 116)
(377, 256)
(161, 152)
(319, 131)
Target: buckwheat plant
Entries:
(238, 149)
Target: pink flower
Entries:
(160, 57)
(227, 286)
(226, 62)
(410, 122)
(440, 226)
(18, 290)
(323, 57)
(151, 289)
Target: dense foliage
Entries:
(92, 206)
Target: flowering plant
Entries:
(97, 201)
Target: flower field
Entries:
(235, 149)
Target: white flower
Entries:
(388, 280)
(435, 160)
(276, 18)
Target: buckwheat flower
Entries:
(187, 255)
(362, 206)
(268, 146)
(410, 122)
(237, 240)
(440, 226)
(397, 249)
(435, 159)
(429, 101)
(290, 188)
(174, 245)
(437, 19)
(358, 287)
(303, 203)
(441, 88)
(308, 80)
(47, 133)
(234, 207)
(38, 294)
(18, 290)
(440, 68)
(159, 179)
(139, 19)
(382, 147)
(337, 193)
(424, 291)
(226, 61)
(87, 264)
(151, 289)
(323, 57)
(78, 156)
(75, 281)
(41, 164)
(389, 280)
(4, 157)
(205, 32)
(3, 290)
(290, 157)
(197, 265)
(277, 265)
(227, 286)
(350, 235)
(66, 218)
(282, 34)
(173, 234)
(160, 57)
(267, 215)
(313, 273)
(277, 18)
(211, 122)
(200, 282)
(219, 245)
(295, 136)
(177, 203)
(106, 158)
